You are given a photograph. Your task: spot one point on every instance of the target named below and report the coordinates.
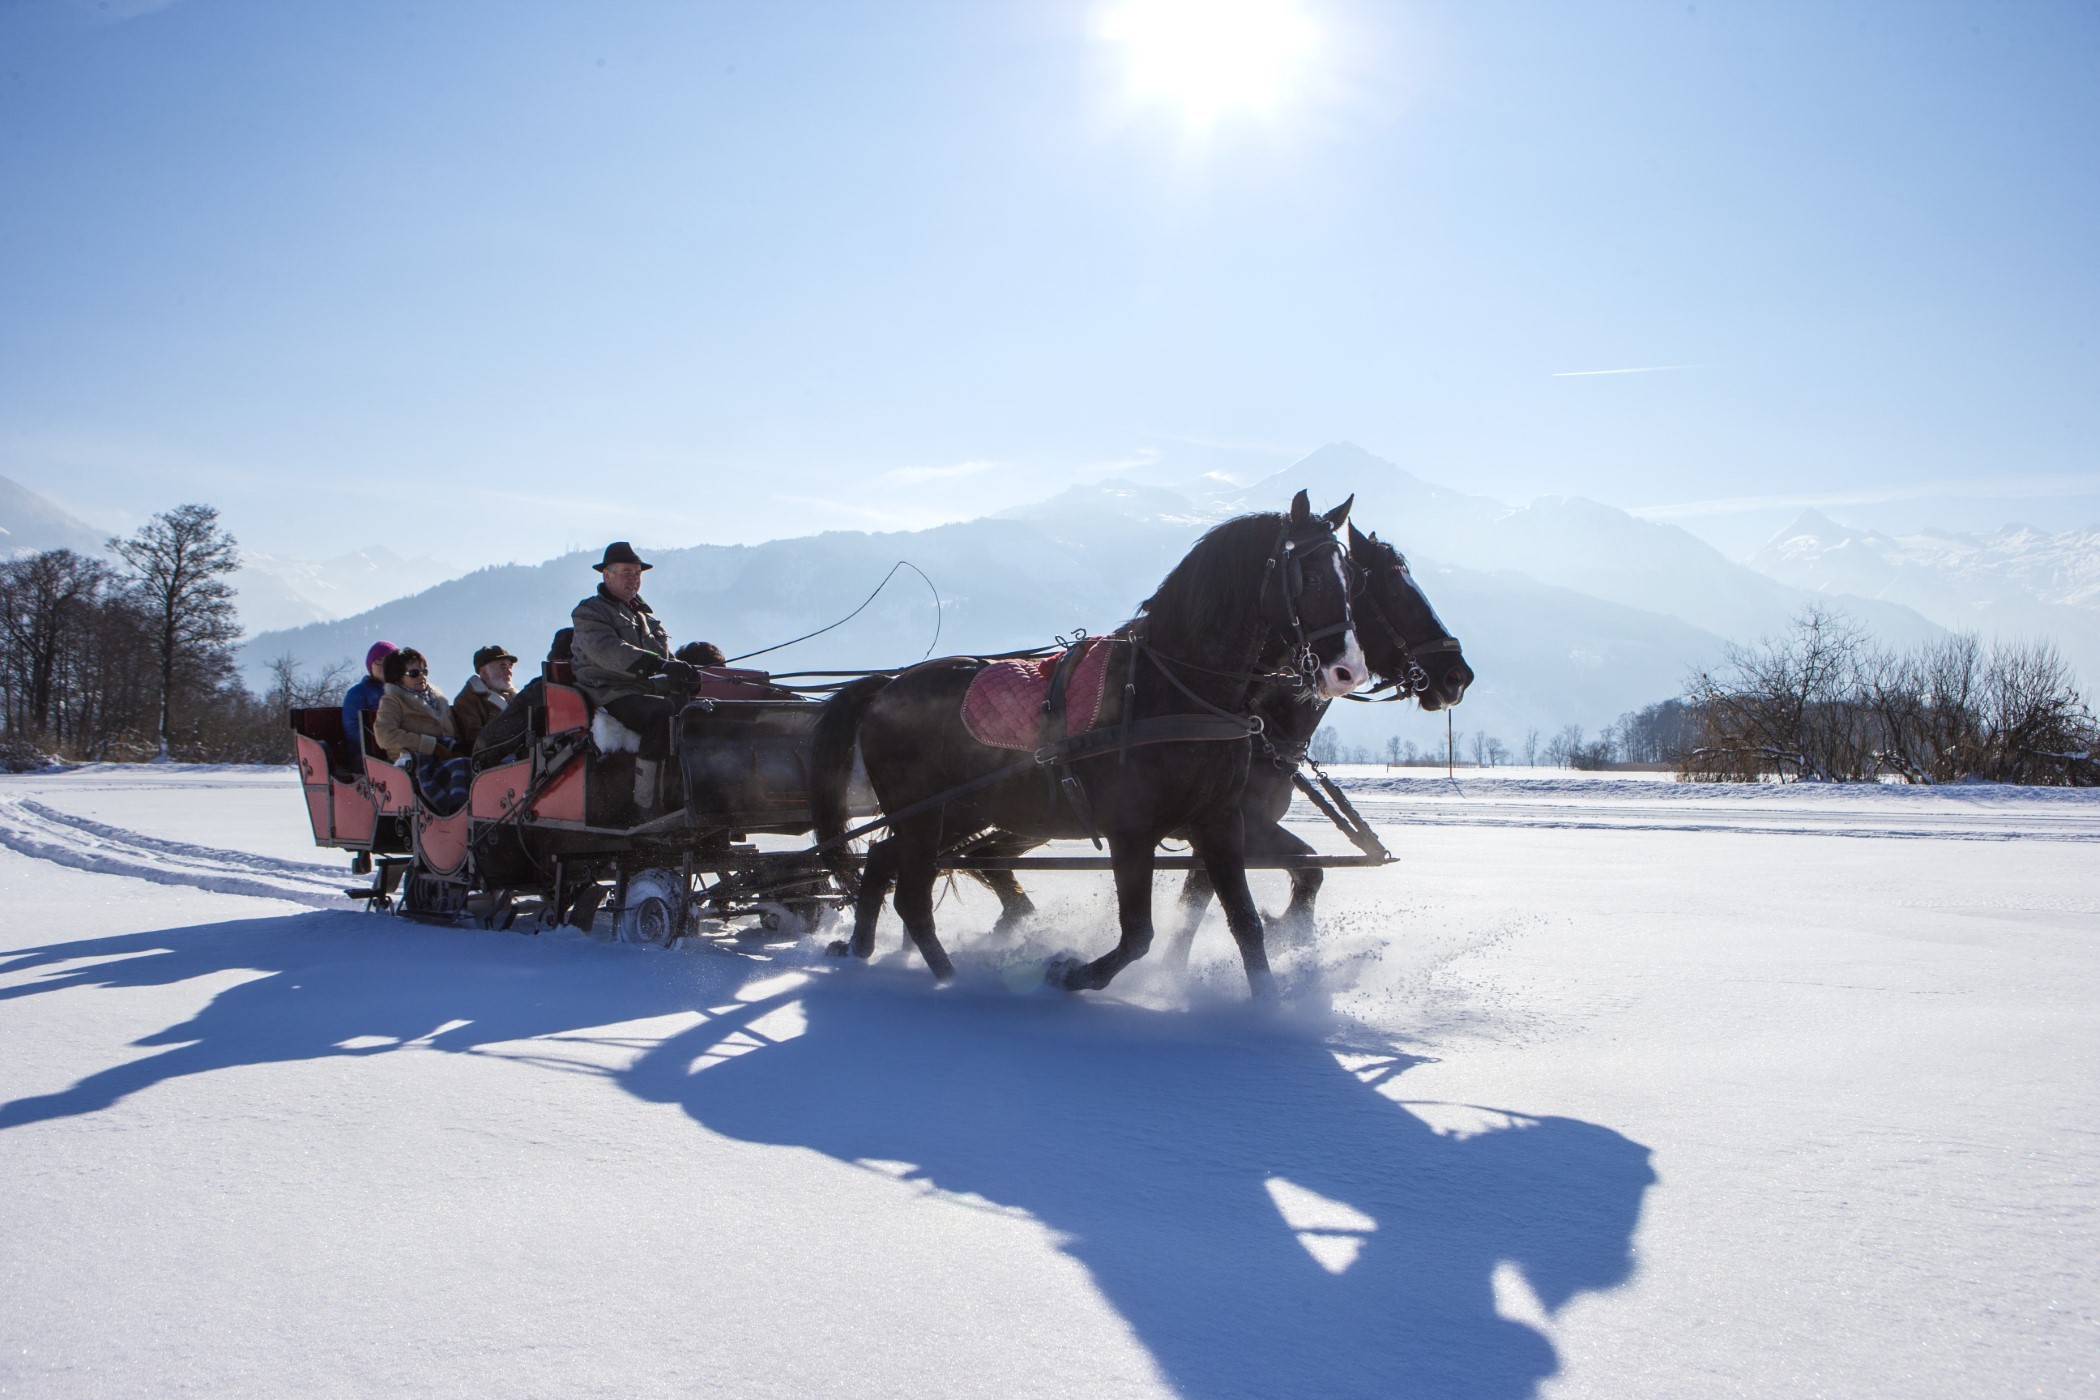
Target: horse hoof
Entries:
(1062, 971)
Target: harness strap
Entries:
(1162, 729)
(1057, 775)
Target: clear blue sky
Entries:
(485, 279)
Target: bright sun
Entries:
(1211, 56)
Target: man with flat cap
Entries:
(620, 645)
(487, 693)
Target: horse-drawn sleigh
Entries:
(1191, 721)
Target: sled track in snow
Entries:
(45, 833)
(1992, 822)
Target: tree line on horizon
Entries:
(132, 658)
(1826, 702)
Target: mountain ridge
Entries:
(1551, 642)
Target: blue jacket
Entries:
(356, 700)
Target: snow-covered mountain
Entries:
(30, 523)
(1569, 610)
(2016, 580)
(1570, 543)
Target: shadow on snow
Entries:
(1267, 1221)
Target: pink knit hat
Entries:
(380, 651)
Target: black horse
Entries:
(1255, 596)
(1409, 651)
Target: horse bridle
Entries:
(1417, 680)
(1287, 561)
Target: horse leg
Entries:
(1222, 849)
(1014, 903)
(1296, 920)
(1131, 857)
(918, 867)
(1193, 904)
(876, 876)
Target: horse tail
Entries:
(831, 770)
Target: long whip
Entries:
(900, 564)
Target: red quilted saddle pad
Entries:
(1004, 705)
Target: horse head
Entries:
(1313, 608)
(1260, 595)
(1404, 640)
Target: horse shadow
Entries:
(1265, 1217)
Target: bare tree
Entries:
(44, 599)
(178, 564)
(2037, 726)
(1781, 705)
(1531, 748)
(1656, 733)
(1825, 703)
(1562, 748)
(1325, 747)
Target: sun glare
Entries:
(1210, 57)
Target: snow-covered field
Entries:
(1611, 1088)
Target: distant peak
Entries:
(1339, 455)
(1813, 523)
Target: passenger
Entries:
(702, 654)
(487, 693)
(363, 697)
(503, 737)
(414, 729)
(619, 646)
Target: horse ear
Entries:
(1358, 545)
(1301, 509)
(1335, 517)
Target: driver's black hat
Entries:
(620, 552)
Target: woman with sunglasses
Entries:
(414, 729)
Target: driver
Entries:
(619, 646)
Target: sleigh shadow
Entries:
(339, 984)
(1266, 1219)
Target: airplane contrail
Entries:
(1645, 369)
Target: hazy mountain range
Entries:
(29, 524)
(2013, 581)
(273, 591)
(1570, 610)
(277, 592)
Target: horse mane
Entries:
(1208, 601)
(1388, 553)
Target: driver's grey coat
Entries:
(616, 646)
